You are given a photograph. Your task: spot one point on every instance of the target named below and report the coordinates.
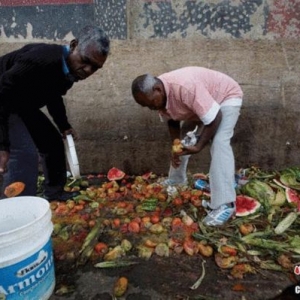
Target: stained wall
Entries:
(256, 42)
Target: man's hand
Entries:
(4, 157)
(189, 150)
(206, 136)
(70, 131)
(175, 159)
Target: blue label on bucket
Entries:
(30, 279)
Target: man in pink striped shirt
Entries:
(198, 95)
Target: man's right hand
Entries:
(175, 161)
(4, 157)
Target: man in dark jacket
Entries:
(32, 77)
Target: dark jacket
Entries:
(30, 78)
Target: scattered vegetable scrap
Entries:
(14, 189)
(238, 288)
(124, 218)
(120, 287)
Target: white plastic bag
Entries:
(190, 138)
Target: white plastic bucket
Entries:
(26, 256)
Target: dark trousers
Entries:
(33, 136)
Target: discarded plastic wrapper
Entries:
(241, 178)
(178, 174)
(191, 138)
(171, 190)
(201, 185)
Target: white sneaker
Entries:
(170, 182)
(219, 216)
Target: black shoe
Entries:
(64, 196)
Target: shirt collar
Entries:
(66, 51)
(66, 70)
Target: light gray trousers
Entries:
(222, 166)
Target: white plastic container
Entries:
(72, 156)
(26, 256)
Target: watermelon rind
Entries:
(290, 180)
(246, 205)
(259, 190)
(280, 197)
(279, 183)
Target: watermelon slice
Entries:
(246, 205)
(147, 175)
(292, 196)
(115, 174)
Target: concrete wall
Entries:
(256, 42)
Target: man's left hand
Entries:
(72, 132)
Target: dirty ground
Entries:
(170, 278)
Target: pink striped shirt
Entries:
(195, 93)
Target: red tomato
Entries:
(92, 223)
(121, 204)
(154, 219)
(190, 247)
(168, 212)
(196, 201)
(116, 223)
(176, 222)
(124, 228)
(177, 201)
(133, 226)
(101, 248)
(78, 207)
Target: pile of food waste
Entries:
(118, 220)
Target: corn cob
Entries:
(89, 243)
(266, 244)
(284, 224)
(115, 264)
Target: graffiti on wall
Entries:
(168, 17)
(42, 2)
(43, 19)
(123, 19)
(111, 15)
(55, 19)
(284, 19)
(217, 19)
